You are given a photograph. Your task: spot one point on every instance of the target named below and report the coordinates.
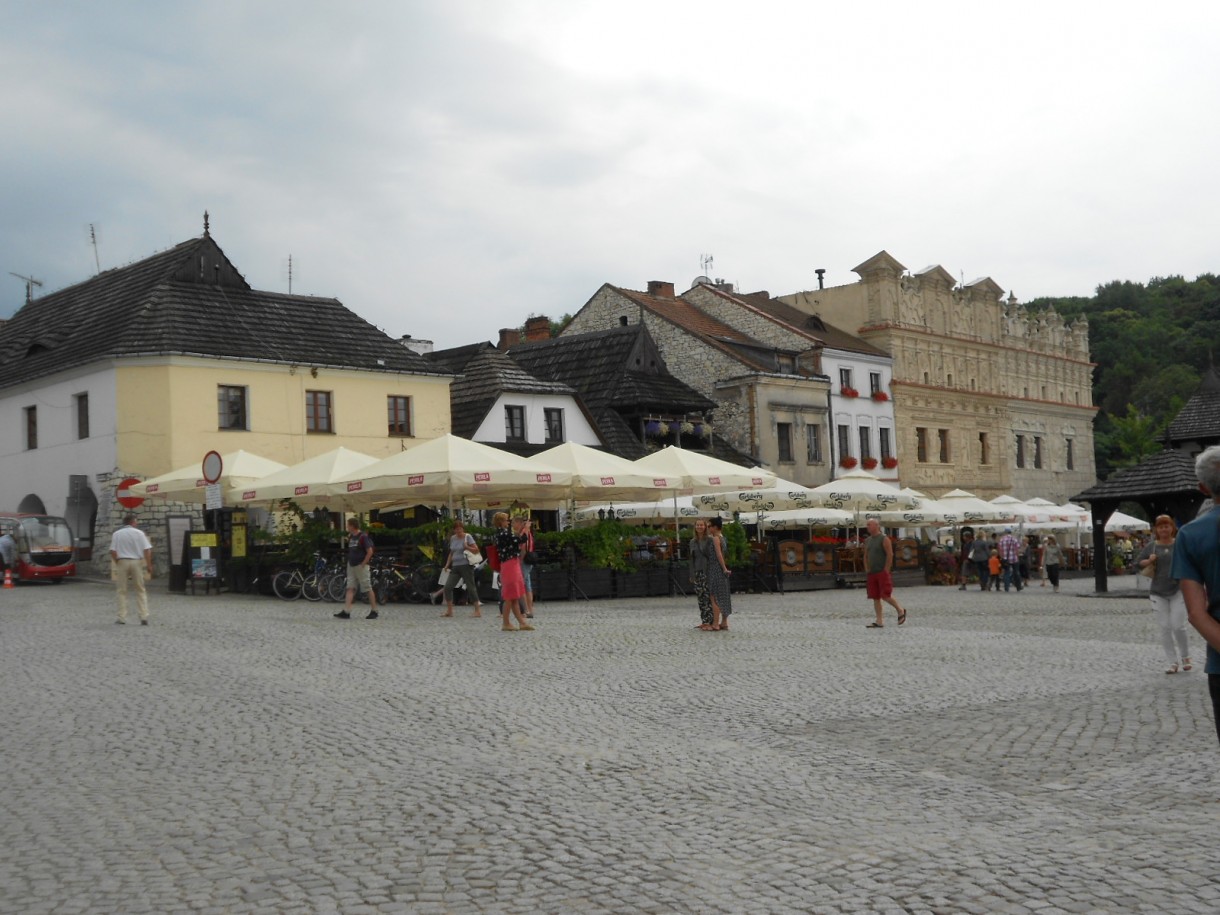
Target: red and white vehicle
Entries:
(45, 546)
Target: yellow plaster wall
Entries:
(167, 412)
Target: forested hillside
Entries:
(1152, 343)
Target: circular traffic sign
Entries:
(213, 466)
(126, 499)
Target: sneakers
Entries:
(372, 615)
(343, 615)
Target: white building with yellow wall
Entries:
(145, 368)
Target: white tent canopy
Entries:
(307, 483)
(186, 484)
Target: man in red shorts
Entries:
(878, 562)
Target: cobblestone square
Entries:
(998, 753)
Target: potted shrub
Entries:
(869, 463)
(889, 463)
(848, 462)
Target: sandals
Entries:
(1186, 665)
(875, 626)
(1173, 669)
(902, 617)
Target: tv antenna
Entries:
(288, 273)
(705, 264)
(93, 241)
(30, 283)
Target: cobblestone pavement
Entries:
(998, 753)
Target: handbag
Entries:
(472, 557)
(1149, 571)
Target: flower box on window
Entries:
(848, 462)
(849, 392)
(880, 396)
(889, 463)
(869, 463)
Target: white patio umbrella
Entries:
(448, 470)
(860, 491)
(700, 473)
(661, 512)
(1121, 521)
(811, 517)
(970, 509)
(307, 483)
(186, 484)
(782, 496)
(601, 477)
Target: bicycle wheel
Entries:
(423, 583)
(287, 585)
(311, 588)
(336, 587)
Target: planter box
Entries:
(658, 581)
(631, 584)
(593, 582)
(551, 583)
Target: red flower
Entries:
(848, 462)
(889, 463)
(869, 463)
(849, 392)
(880, 396)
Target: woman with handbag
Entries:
(458, 566)
(1155, 562)
(512, 583)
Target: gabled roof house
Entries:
(766, 394)
(145, 368)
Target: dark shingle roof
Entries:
(601, 367)
(485, 374)
(190, 300)
(1168, 473)
(1199, 420)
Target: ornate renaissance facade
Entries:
(988, 396)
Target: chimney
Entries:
(538, 328)
(509, 336)
(423, 347)
(821, 272)
(660, 289)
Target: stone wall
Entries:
(152, 517)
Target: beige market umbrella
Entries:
(599, 476)
(186, 484)
(859, 490)
(811, 517)
(308, 482)
(782, 496)
(659, 512)
(449, 470)
(698, 473)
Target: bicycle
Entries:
(394, 581)
(291, 584)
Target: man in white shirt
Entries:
(130, 560)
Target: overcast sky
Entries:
(450, 168)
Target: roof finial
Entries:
(205, 224)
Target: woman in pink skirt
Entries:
(512, 582)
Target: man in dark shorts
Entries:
(878, 563)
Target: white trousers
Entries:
(131, 570)
(1171, 617)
